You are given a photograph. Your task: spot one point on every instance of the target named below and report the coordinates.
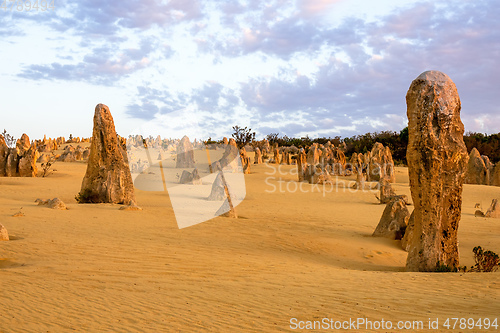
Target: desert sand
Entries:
(291, 254)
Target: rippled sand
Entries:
(290, 255)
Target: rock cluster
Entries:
(477, 172)
(78, 140)
(286, 156)
(317, 174)
(481, 171)
(313, 154)
(381, 164)
(321, 162)
(49, 145)
(337, 159)
(71, 154)
(139, 166)
(19, 161)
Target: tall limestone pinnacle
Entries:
(437, 161)
(108, 178)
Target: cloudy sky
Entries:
(316, 67)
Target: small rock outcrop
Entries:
(215, 167)
(437, 161)
(286, 157)
(386, 191)
(493, 210)
(394, 220)
(132, 206)
(221, 191)
(230, 157)
(360, 168)
(68, 155)
(277, 156)
(108, 178)
(302, 165)
(218, 192)
(478, 213)
(339, 162)
(495, 176)
(226, 210)
(192, 178)
(258, 156)
(23, 144)
(489, 167)
(18, 214)
(185, 154)
(405, 241)
(55, 203)
(4, 235)
(245, 161)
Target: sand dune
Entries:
(302, 254)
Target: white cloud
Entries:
(293, 67)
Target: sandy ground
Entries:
(293, 253)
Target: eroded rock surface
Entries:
(108, 178)
(437, 161)
(394, 220)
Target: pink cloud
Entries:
(310, 8)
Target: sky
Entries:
(322, 68)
